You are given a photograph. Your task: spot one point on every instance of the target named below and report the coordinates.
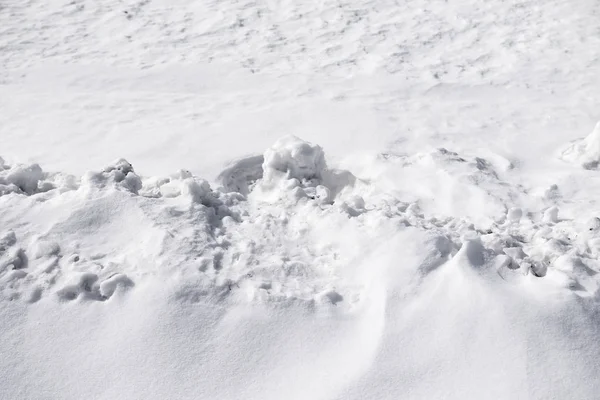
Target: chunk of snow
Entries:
(585, 152)
(120, 173)
(7, 239)
(320, 193)
(514, 214)
(43, 248)
(122, 166)
(25, 177)
(197, 189)
(593, 224)
(293, 157)
(241, 174)
(471, 252)
(109, 286)
(551, 215)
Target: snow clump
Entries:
(293, 158)
(298, 167)
(295, 169)
(24, 179)
(585, 152)
(120, 173)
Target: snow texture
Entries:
(294, 158)
(332, 200)
(118, 238)
(585, 152)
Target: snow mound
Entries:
(24, 179)
(586, 151)
(241, 175)
(120, 173)
(294, 169)
(30, 179)
(291, 169)
(115, 228)
(293, 158)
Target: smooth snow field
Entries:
(299, 199)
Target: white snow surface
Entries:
(311, 200)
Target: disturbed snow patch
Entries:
(30, 179)
(290, 169)
(270, 233)
(449, 184)
(297, 169)
(91, 238)
(115, 227)
(292, 158)
(586, 151)
(241, 175)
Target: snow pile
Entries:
(98, 232)
(291, 169)
(31, 179)
(21, 179)
(173, 246)
(422, 246)
(297, 169)
(275, 241)
(292, 158)
(586, 151)
(241, 176)
(120, 173)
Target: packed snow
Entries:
(327, 200)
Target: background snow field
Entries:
(312, 200)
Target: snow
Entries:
(294, 159)
(20, 178)
(585, 151)
(309, 200)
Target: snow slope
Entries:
(391, 199)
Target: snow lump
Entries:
(586, 151)
(294, 158)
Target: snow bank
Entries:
(586, 151)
